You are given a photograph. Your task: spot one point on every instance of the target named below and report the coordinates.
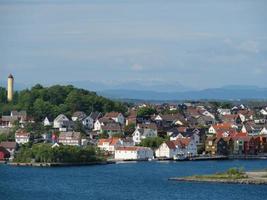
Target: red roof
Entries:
(111, 141)
(182, 142)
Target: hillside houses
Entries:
(169, 131)
(143, 131)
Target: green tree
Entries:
(146, 111)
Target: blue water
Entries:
(143, 180)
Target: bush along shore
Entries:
(232, 176)
(45, 155)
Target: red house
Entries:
(4, 154)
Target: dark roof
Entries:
(10, 76)
(5, 151)
(95, 115)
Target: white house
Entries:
(263, 112)
(263, 131)
(143, 131)
(117, 117)
(182, 146)
(133, 153)
(166, 150)
(223, 111)
(101, 122)
(22, 137)
(109, 144)
(61, 122)
(208, 114)
(46, 122)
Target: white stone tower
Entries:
(10, 88)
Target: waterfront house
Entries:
(143, 131)
(210, 147)
(10, 146)
(186, 147)
(133, 153)
(221, 145)
(166, 150)
(22, 136)
(4, 153)
(70, 138)
(109, 144)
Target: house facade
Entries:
(70, 138)
(22, 136)
(144, 131)
(133, 153)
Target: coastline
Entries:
(58, 164)
(252, 178)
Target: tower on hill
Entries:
(10, 88)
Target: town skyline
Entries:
(218, 43)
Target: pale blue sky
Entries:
(201, 44)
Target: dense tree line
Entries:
(44, 153)
(40, 101)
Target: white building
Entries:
(46, 122)
(133, 153)
(166, 150)
(61, 122)
(182, 146)
(144, 131)
(109, 144)
(223, 111)
(117, 117)
(22, 137)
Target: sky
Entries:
(200, 44)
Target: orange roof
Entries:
(182, 142)
(111, 141)
(182, 129)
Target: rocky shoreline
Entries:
(255, 178)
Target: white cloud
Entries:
(137, 67)
(249, 46)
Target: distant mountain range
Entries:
(214, 93)
(159, 91)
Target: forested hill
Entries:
(40, 101)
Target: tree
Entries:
(146, 111)
(152, 142)
(129, 129)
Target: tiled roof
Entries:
(9, 145)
